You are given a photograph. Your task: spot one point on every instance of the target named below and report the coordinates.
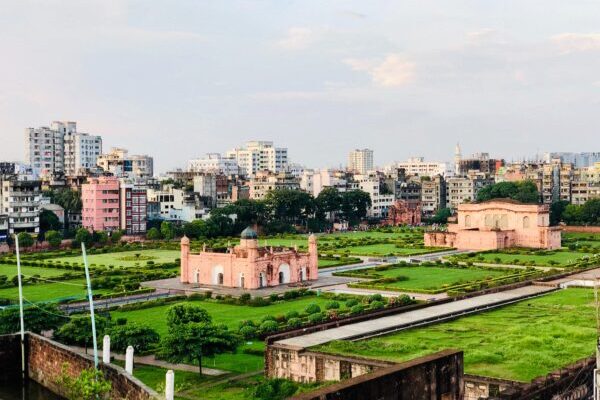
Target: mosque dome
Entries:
(249, 233)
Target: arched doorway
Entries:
(217, 275)
(242, 281)
(303, 274)
(197, 276)
(261, 279)
(284, 274)
(506, 242)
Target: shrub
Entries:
(248, 332)
(351, 303)
(332, 305)
(312, 308)
(294, 323)
(316, 317)
(269, 326)
(357, 309)
(268, 318)
(291, 315)
(375, 297)
(246, 322)
(376, 305)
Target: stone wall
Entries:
(434, 377)
(581, 229)
(307, 366)
(45, 360)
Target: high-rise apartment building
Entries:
(100, 199)
(258, 156)
(61, 149)
(360, 161)
(20, 203)
(133, 208)
(579, 160)
(433, 195)
(214, 163)
(123, 165)
(464, 189)
(418, 166)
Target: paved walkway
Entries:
(343, 288)
(151, 360)
(586, 278)
(412, 318)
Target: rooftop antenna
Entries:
(89, 290)
(20, 307)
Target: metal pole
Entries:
(89, 290)
(20, 307)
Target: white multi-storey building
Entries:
(360, 161)
(380, 202)
(121, 164)
(45, 150)
(314, 181)
(258, 156)
(214, 163)
(61, 149)
(418, 166)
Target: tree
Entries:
(43, 317)
(328, 202)
(441, 216)
(115, 236)
(291, 206)
(192, 335)
(184, 313)
(153, 234)
(573, 214)
(523, 191)
(192, 341)
(355, 204)
(590, 211)
(79, 330)
(275, 389)
(68, 199)
(167, 230)
(84, 236)
(54, 238)
(140, 336)
(49, 221)
(556, 211)
(25, 239)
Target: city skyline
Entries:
(411, 79)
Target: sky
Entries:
(177, 79)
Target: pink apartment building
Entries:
(249, 266)
(100, 204)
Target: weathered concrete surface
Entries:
(411, 318)
(437, 376)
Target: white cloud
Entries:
(297, 38)
(575, 42)
(481, 35)
(392, 71)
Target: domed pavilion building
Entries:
(249, 266)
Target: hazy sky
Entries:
(176, 79)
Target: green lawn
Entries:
(127, 258)
(518, 342)
(10, 270)
(383, 249)
(49, 291)
(228, 314)
(431, 278)
(562, 257)
(581, 236)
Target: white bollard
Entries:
(129, 360)
(170, 386)
(106, 349)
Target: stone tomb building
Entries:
(498, 224)
(248, 266)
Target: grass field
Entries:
(229, 315)
(127, 258)
(10, 270)
(561, 257)
(383, 249)
(517, 342)
(581, 236)
(431, 278)
(49, 291)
